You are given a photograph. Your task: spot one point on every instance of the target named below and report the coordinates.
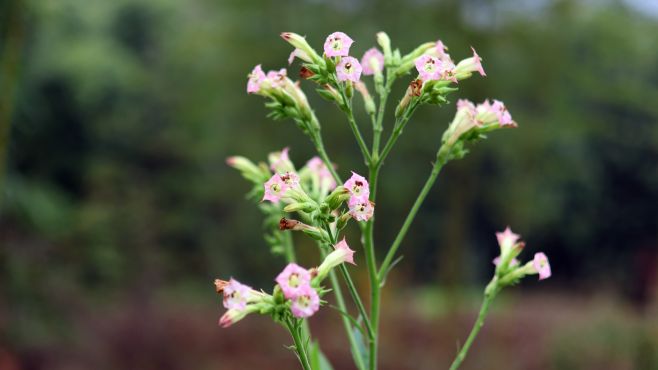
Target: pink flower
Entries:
(319, 169)
(372, 61)
(504, 117)
(346, 254)
(337, 45)
(348, 69)
(236, 295)
(275, 188)
(361, 209)
(540, 263)
(256, 77)
(488, 113)
(507, 239)
(341, 254)
(293, 280)
(298, 53)
(305, 303)
(477, 60)
(429, 67)
(358, 186)
(280, 161)
(441, 51)
(513, 263)
(277, 78)
(467, 105)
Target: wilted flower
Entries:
(349, 69)
(293, 279)
(337, 45)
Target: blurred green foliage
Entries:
(126, 110)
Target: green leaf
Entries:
(361, 347)
(318, 360)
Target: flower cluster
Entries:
(361, 208)
(300, 289)
(472, 121)
(508, 267)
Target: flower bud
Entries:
(248, 169)
(337, 197)
(312, 231)
(368, 102)
(300, 43)
(307, 207)
(342, 253)
(385, 42)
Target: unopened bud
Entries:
(337, 197)
(385, 42)
(368, 102)
(300, 43)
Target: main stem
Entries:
(299, 346)
(489, 295)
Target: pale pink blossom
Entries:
(290, 178)
(494, 113)
(361, 209)
(256, 78)
(541, 265)
(319, 169)
(346, 254)
(372, 61)
(358, 186)
(293, 280)
(277, 79)
(337, 45)
(513, 263)
(348, 69)
(507, 239)
(477, 61)
(298, 53)
(280, 161)
(275, 188)
(440, 50)
(465, 104)
(429, 67)
(236, 295)
(305, 303)
(341, 254)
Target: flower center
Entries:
(293, 280)
(336, 44)
(304, 301)
(275, 188)
(348, 66)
